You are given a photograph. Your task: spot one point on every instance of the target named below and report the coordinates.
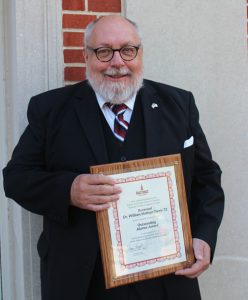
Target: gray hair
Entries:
(91, 25)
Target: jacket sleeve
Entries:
(26, 178)
(207, 197)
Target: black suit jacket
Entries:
(63, 138)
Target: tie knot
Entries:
(117, 109)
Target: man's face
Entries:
(116, 80)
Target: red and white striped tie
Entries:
(120, 125)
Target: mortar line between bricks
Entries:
(73, 30)
(79, 65)
(89, 13)
(73, 48)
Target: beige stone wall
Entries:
(197, 45)
(202, 46)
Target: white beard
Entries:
(115, 92)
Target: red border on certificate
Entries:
(154, 260)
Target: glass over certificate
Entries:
(146, 233)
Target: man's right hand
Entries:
(94, 192)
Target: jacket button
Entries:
(123, 158)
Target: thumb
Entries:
(198, 249)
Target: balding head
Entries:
(112, 18)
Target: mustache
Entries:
(117, 72)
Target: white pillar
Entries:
(30, 62)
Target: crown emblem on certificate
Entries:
(142, 191)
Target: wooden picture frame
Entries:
(146, 233)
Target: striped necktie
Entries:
(120, 125)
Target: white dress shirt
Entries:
(110, 116)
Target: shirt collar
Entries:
(129, 103)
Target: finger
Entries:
(199, 251)
(207, 253)
(196, 274)
(103, 189)
(102, 199)
(99, 207)
(202, 254)
(195, 270)
(95, 179)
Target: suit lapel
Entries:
(155, 119)
(151, 120)
(88, 113)
(155, 122)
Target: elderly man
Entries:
(75, 127)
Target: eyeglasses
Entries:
(105, 54)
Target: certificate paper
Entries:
(145, 223)
(141, 235)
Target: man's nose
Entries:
(117, 60)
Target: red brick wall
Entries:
(76, 15)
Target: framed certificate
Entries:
(146, 233)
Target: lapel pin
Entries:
(154, 105)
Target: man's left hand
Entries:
(202, 254)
